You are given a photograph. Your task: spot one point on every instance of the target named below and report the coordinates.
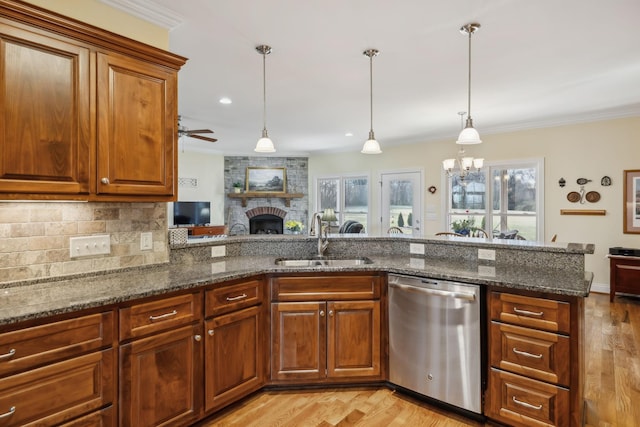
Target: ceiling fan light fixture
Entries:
(371, 146)
(264, 144)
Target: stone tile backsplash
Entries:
(34, 237)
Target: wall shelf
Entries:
(259, 195)
(583, 212)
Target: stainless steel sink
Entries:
(323, 262)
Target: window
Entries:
(505, 200)
(348, 196)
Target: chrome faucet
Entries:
(323, 241)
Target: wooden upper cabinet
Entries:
(136, 127)
(45, 120)
(85, 114)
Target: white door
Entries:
(401, 202)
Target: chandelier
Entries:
(462, 165)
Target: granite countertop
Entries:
(41, 299)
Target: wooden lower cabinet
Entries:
(325, 340)
(234, 356)
(58, 392)
(160, 378)
(536, 360)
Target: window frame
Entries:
(341, 194)
(536, 163)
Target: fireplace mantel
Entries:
(260, 195)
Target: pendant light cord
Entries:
(371, 90)
(469, 81)
(264, 91)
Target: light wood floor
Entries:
(612, 387)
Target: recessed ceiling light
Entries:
(348, 134)
(225, 100)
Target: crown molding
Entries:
(148, 11)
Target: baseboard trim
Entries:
(600, 288)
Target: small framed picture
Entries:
(266, 180)
(631, 201)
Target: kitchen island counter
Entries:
(22, 301)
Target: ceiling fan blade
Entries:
(189, 131)
(204, 138)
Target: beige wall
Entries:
(590, 150)
(106, 17)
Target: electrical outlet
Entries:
(416, 248)
(89, 245)
(146, 241)
(487, 254)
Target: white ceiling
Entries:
(534, 64)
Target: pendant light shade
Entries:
(469, 135)
(371, 146)
(264, 145)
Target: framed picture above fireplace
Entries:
(266, 180)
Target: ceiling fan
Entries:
(183, 131)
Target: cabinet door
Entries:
(44, 115)
(136, 128)
(160, 379)
(234, 356)
(353, 342)
(299, 340)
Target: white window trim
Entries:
(340, 178)
(536, 162)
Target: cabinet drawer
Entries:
(150, 317)
(59, 392)
(233, 297)
(520, 401)
(540, 313)
(38, 345)
(310, 288)
(537, 354)
(103, 418)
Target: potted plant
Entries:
(293, 226)
(237, 187)
(463, 226)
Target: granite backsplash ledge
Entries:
(526, 254)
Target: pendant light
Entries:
(264, 145)
(371, 146)
(469, 135)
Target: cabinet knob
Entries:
(330, 312)
(197, 338)
(105, 180)
(321, 313)
(210, 332)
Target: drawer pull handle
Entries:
(163, 316)
(527, 405)
(8, 355)
(8, 414)
(239, 297)
(524, 353)
(528, 313)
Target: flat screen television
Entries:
(191, 213)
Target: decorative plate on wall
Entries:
(573, 197)
(592, 196)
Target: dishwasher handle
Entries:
(438, 292)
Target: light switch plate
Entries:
(89, 245)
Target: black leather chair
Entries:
(350, 226)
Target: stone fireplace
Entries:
(266, 220)
(241, 215)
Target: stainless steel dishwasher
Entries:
(434, 339)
